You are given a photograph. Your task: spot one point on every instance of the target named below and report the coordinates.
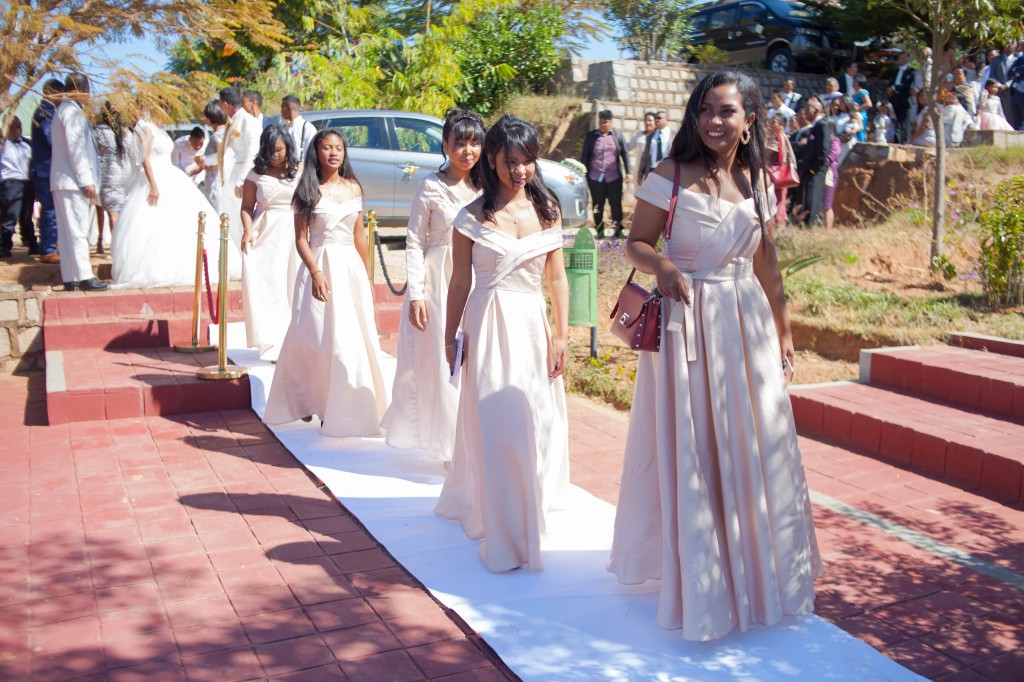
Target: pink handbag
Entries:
(784, 174)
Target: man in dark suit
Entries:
(813, 162)
(847, 78)
(606, 160)
(902, 92)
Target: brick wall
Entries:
(21, 332)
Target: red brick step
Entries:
(95, 384)
(972, 449)
(974, 379)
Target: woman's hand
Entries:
(671, 282)
(154, 195)
(558, 358)
(418, 314)
(786, 346)
(321, 289)
(246, 240)
(449, 355)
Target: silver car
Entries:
(391, 151)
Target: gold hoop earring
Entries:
(745, 137)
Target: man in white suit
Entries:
(74, 181)
(237, 151)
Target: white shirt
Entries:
(849, 83)
(302, 132)
(14, 159)
(784, 110)
(75, 163)
(790, 99)
(662, 138)
(183, 155)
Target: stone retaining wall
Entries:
(21, 331)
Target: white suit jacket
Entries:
(239, 148)
(75, 163)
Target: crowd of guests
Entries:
(91, 169)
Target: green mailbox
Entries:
(581, 271)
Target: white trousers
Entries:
(74, 219)
(232, 205)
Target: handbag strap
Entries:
(668, 223)
(672, 203)
(782, 156)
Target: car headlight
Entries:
(814, 33)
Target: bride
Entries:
(155, 244)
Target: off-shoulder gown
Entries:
(713, 501)
(511, 460)
(329, 364)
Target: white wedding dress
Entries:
(155, 246)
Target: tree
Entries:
(48, 37)
(941, 22)
(507, 51)
(651, 29)
(862, 19)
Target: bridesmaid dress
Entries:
(511, 460)
(713, 501)
(329, 364)
(270, 267)
(424, 403)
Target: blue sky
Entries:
(145, 54)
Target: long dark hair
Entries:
(268, 140)
(461, 125)
(307, 191)
(514, 133)
(688, 146)
(113, 120)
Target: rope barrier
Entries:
(214, 313)
(384, 269)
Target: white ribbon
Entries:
(688, 324)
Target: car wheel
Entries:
(780, 59)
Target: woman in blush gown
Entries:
(511, 461)
(329, 364)
(713, 501)
(270, 261)
(154, 244)
(424, 403)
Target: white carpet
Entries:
(573, 621)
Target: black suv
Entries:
(784, 35)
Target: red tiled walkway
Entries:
(934, 616)
(197, 548)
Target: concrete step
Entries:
(88, 384)
(992, 344)
(972, 449)
(973, 379)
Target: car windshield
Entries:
(796, 10)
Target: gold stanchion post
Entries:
(222, 370)
(197, 297)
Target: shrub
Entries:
(1001, 264)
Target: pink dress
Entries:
(713, 501)
(330, 359)
(424, 403)
(990, 113)
(511, 460)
